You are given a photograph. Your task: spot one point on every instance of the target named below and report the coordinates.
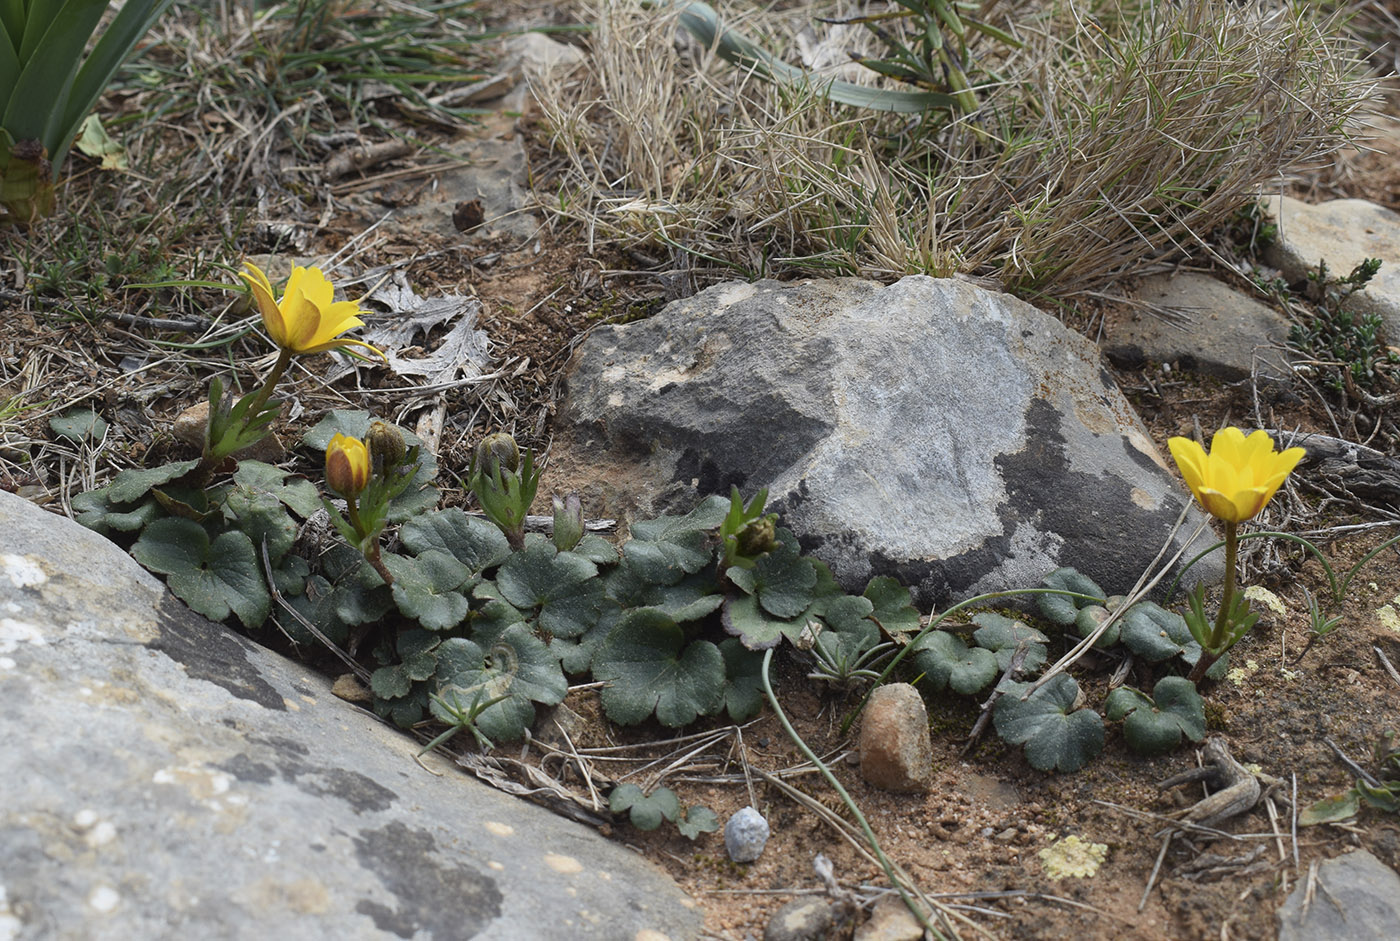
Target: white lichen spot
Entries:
(203, 784)
(102, 834)
(22, 571)
(499, 829)
(1073, 857)
(85, 819)
(9, 921)
(561, 863)
(650, 934)
(104, 899)
(1287, 674)
(498, 867)
(14, 632)
(1267, 598)
(7, 663)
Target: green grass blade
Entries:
(9, 63)
(701, 20)
(106, 57)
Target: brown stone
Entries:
(190, 424)
(896, 753)
(890, 920)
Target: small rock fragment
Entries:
(745, 835)
(890, 920)
(349, 688)
(896, 753)
(189, 428)
(804, 919)
(1357, 897)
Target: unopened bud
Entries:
(497, 450)
(347, 466)
(758, 537)
(386, 445)
(568, 522)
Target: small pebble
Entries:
(745, 835)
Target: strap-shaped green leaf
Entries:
(49, 62)
(117, 41)
(701, 20)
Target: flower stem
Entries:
(371, 552)
(1211, 652)
(284, 359)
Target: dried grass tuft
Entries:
(1124, 132)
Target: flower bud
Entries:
(347, 466)
(386, 445)
(497, 450)
(568, 522)
(758, 537)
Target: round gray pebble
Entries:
(745, 835)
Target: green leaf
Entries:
(562, 585)
(743, 617)
(892, 606)
(1003, 635)
(316, 602)
(1055, 736)
(390, 682)
(1155, 725)
(1058, 608)
(649, 668)
(947, 662)
(678, 542)
(596, 549)
(645, 811)
(1332, 809)
(576, 654)
(743, 686)
(133, 484)
(518, 666)
(79, 425)
(690, 599)
(694, 821)
(1088, 621)
(781, 580)
(1154, 633)
(1386, 797)
(425, 588)
(299, 494)
(95, 510)
(473, 541)
(262, 517)
(214, 578)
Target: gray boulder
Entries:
(1359, 901)
(1342, 232)
(166, 778)
(958, 440)
(1200, 324)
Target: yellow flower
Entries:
(1239, 476)
(347, 466)
(307, 319)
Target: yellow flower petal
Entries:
(1240, 475)
(307, 319)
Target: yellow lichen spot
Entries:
(1389, 617)
(1073, 857)
(1267, 598)
(1253, 767)
(561, 863)
(1238, 675)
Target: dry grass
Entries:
(1124, 133)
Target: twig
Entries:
(1356, 769)
(1389, 667)
(316, 632)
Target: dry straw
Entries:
(1122, 134)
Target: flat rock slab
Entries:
(1342, 232)
(1357, 899)
(958, 440)
(1200, 324)
(164, 777)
